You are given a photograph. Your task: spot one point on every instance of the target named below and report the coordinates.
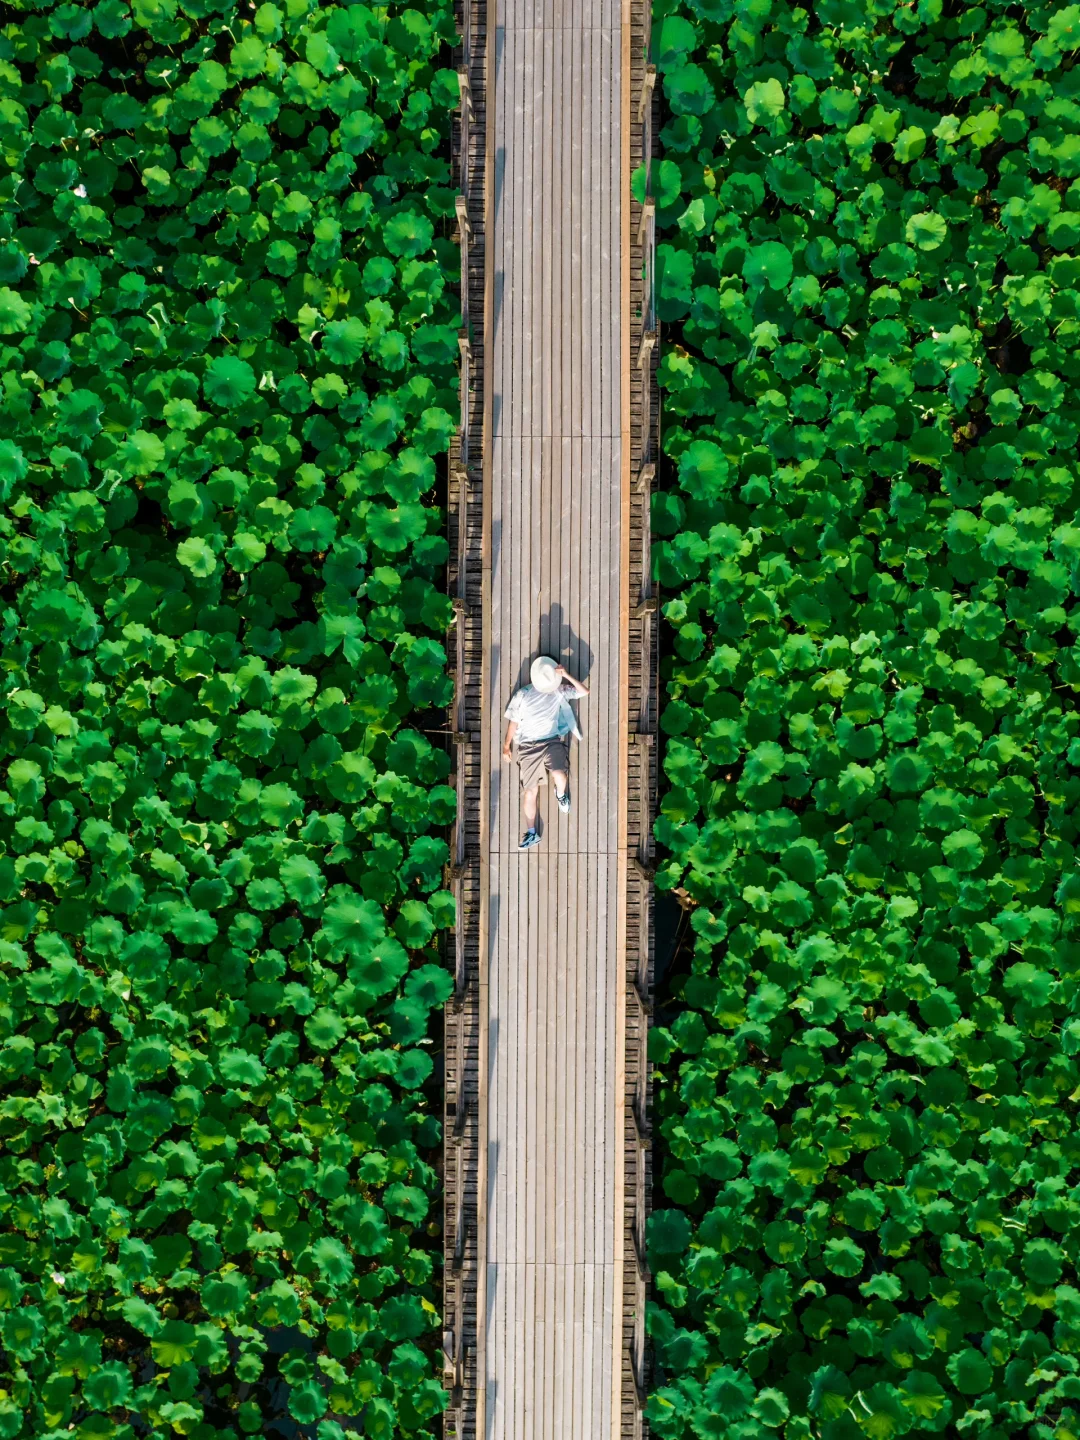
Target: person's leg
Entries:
(528, 807)
(559, 768)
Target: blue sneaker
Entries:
(528, 840)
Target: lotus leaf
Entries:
(378, 967)
(764, 101)
(408, 233)
(431, 985)
(402, 1318)
(414, 1069)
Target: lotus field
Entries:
(228, 344)
(868, 1218)
(228, 356)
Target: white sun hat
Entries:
(542, 675)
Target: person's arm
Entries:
(579, 688)
(511, 731)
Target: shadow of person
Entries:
(558, 639)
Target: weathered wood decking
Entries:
(546, 1079)
(558, 483)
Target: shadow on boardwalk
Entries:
(558, 639)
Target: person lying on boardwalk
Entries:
(539, 716)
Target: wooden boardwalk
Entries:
(547, 1087)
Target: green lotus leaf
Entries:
(667, 183)
(768, 264)
(431, 985)
(211, 137)
(312, 529)
(325, 1029)
(228, 382)
(674, 39)
(352, 776)
(408, 1021)
(197, 556)
(366, 1227)
(394, 529)
(703, 470)
(414, 1069)
(140, 454)
(225, 1295)
(194, 927)
(23, 1331)
(434, 345)
(380, 1418)
(343, 341)
(109, 1386)
(784, 1241)
(668, 1232)
(1043, 1262)
(409, 1366)
(239, 1067)
(674, 278)
(844, 1257)
(406, 1202)
(402, 1318)
(839, 106)
(308, 1402)
(265, 894)
(908, 771)
(414, 926)
(433, 431)
(764, 101)
(926, 231)
(409, 475)
(256, 734)
(279, 805)
(883, 1415)
(970, 1372)
(353, 926)
(1063, 30)
(278, 1304)
(425, 666)
(303, 880)
(962, 850)
(729, 1392)
(15, 313)
(359, 132)
(378, 967)
(245, 552)
(174, 1344)
(79, 414)
(830, 1393)
(921, 1393)
(707, 1423)
(771, 1407)
(909, 144)
(688, 90)
(149, 1058)
(408, 233)
(11, 1287)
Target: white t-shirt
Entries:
(542, 716)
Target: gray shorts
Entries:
(536, 757)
